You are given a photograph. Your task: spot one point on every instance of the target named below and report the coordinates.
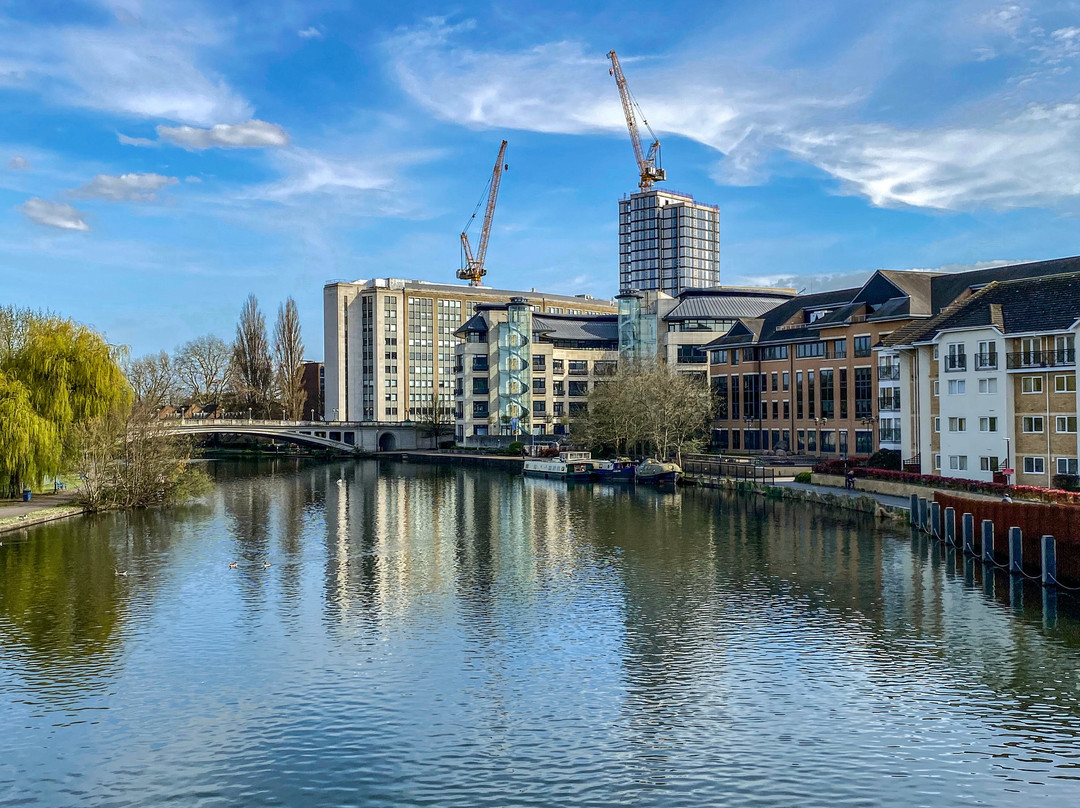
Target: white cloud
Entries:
(125, 187)
(991, 154)
(192, 178)
(310, 33)
(144, 142)
(252, 134)
(147, 68)
(308, 172)
(18, 163)
(53, 214)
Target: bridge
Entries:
(349, 437)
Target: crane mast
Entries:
(649, 169)
(474, 270)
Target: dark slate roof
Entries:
(475, 324)
(897, 307)
(947, 287)
(1048, 303)
(914, 284)
(595, 328)
(839, 316)
(768, 324)
(717, 307)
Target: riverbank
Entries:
(42, 508)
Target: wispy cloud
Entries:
(144, 142)
(310, 33)
(18, 163)
(253, 134)
(1001, 153)
(53, 214)
(125, 187)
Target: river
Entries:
(461, 637)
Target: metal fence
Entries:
(709, 466)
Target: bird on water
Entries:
(119, 572)
(232, 565)
(266, 565)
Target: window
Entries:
(842, 395)
(839, 348)
(480, 409)
(776, 410)
(956, 360)
(988, 424)
(864, 441)
(480, 386)
(1031, 384)
(1066, 423)
(937, 424)
(811, 395)
(775, 381)
(798, 395)
(578, 407)
(539, 406)
(937, 462)
(808, 349)
(539, 384)
(827, 394)
(684, 355)
(988, 464)
(957, 387)
(1034, 465)
(785, 377)
(558, 388)
(986, 358)
(828, 441)
(480, 362)
(936, 355)
(557, 367)
(1065, 384)
(958, 462)
(1033, 423)
(1067, 465)
(937, 388)
(787, 409)
(864, 393)
(862, 346)
(579, 367)
(719, 357)
(579, 389)
(958, 424)
(988, 385)
(557, 408)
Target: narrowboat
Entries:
(567, 466)
(620, 470)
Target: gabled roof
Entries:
(769, 327)
(1026, 305)
(947, 287)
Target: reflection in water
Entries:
(436, 635)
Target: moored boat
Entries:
(567, 466)
(654, 471)
(620, 470)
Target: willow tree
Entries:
(289, 361)
(56, 374)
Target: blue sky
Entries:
(161, 160)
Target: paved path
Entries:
(884, 499)
(16, 514)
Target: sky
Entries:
(159, 161)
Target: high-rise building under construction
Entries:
(667, 243)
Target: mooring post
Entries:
(969, 534)
(914, 506)
(935, 519)
(1016, 550)
(1049, 561)
(924, 518)
(987, 541)
(950, 526)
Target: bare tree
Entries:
(436, 417)
(202, 368)
(153, 379)
(252, 367)
(289, 361)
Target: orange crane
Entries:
(474, 270)
(648, 164)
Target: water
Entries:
(428, 636)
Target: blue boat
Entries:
(620, 470)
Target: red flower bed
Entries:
(1030, 492)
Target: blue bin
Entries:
(26, 495)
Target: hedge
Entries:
(1028, 492)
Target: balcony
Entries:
(890, 435)
(888, 373)
(955, 363)
(986, 361)
(1040, 359)
(889, 404)
(583, 370)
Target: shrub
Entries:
(886, 459)
(803, 477)
(515, 448)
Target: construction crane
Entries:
(648, 164)
(474, 270)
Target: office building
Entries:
(389, 343)
(667, 243)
